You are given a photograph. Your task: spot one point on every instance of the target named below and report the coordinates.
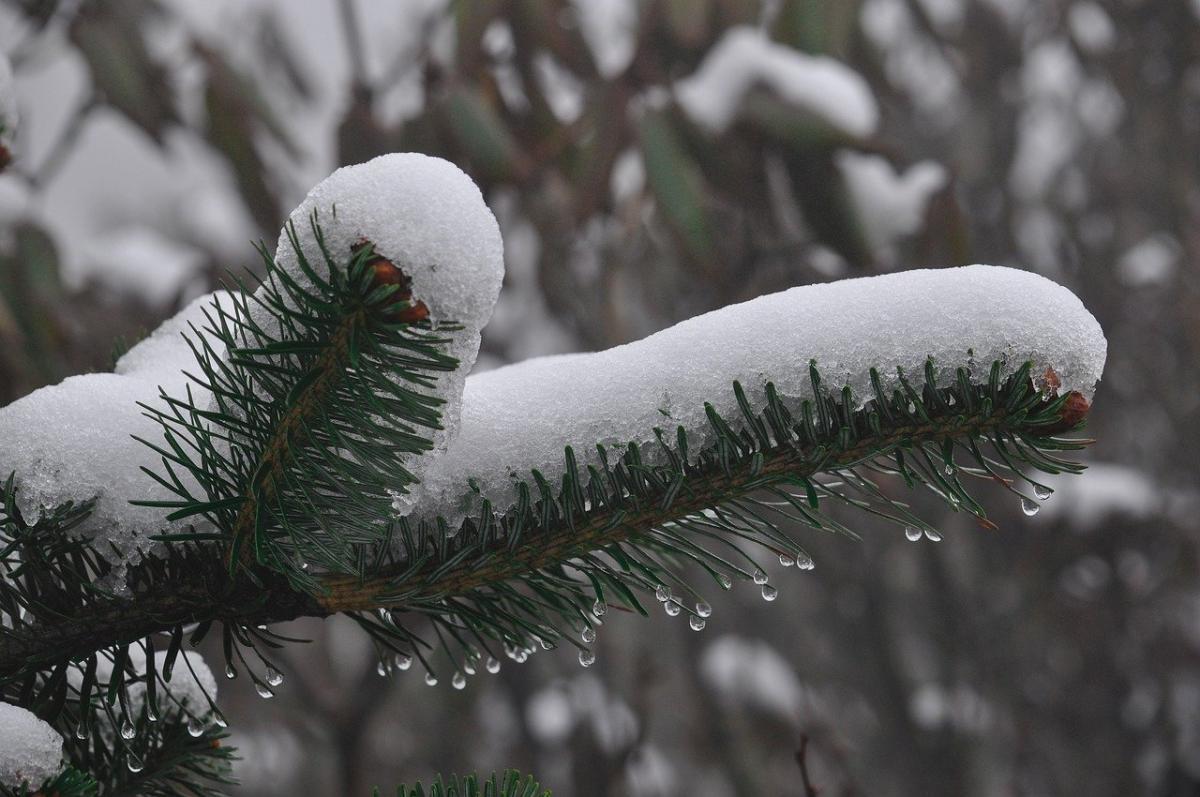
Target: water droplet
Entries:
(912, 408)
(261, 627)
(220, 721)
(697, 623)
(672, 608)
(304, 565)
(912, 533)
(950, 400)
(195, 728)
(1042, 492)
(703, 609)
(403, 661)
(1030, 508)
(933, 535)
(546, 644)
(264, 691)
(81, 730)
(493, 665)
(725, 581)
(430, 679)
(521, 657)
(663, 593)
(127, 729)
(587, 658)
(133, 763)
(948, 470)
(151, 711)
(274, 676)
(459, 681)
(469, 667)
(588, 635)
(599, 608)
(769, 593)
(760, 577)
(786, 560)
(805, 562)
(381, 669)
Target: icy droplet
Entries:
(786, 560)
(805, 562)
(264, 691)
(230, 673)
(151, 712)
(546, 644)
(1042, 492)
(304, 565)
(127, 729)
(760, 577)
(703, 609)
(274, 676)
(81, 730)
(469, 667)
(430, 679)
(459, 681)
(933, 535)
(769, 593)
(672, 608)
(493, 665)
(697, 623)
(912, 533)
(588, 635)
(662, 593)
(1030, 508)
(725, 581)
(948, 470)
(220, 721)
(599, 608)
(195, 728)
(403, 661)
(587, 658)
(381, 669)
(133, 763)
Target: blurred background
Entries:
(649, 160)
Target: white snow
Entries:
(30, 750)
(520, 417)
(427, 217)
(610, 29)
(1091, 26)
(71, 441)
(1109, 490)
(1151, 261)
(140, 260)
(8, 104)
(750, 672)
(890, 205)
(745, 58)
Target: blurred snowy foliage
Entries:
(158, 137)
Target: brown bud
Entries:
(387, 273)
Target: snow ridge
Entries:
(521, 417)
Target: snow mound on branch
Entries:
(426, 216)
(890, 205)
(73, 441)
(745, 58)
(752, 673)
(30, 750)
(520, 417)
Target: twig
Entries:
(802, 759)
